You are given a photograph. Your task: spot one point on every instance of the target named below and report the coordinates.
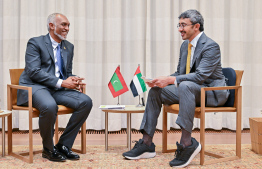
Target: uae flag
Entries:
(137, 85)
(117, 84)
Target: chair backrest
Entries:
(239, 74)
(230, 75)
(14, 77)
(233, 78)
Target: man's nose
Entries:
(67, 28)
(180, 28)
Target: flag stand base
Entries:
(139, 104)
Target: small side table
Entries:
(4, 114)
(129, 109)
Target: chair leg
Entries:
(56, 130)
(202, 141)
(83, 138)
(30, 140)
(10, 135)
(238, 125)
(9, 107)
(202, 127)
(21, 155)
(164, 133)
(238, 137)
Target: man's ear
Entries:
(51, 26)
(197, 26)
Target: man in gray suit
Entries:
(199, 66)
(48, 71)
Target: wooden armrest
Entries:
(203, 93)
(29, 89)
(19, 87)
(9, 95)
(220, 88)
(84, 89)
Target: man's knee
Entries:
(186, 86)
(48, 109)
(86, 103)
(153, 92)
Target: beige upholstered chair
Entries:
(33, 113)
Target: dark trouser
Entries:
(46, 102)
(187, 95)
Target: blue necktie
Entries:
(60, 62)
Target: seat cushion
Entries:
(230, 75)
(61, 110)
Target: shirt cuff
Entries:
(175, 83)
(59, 83)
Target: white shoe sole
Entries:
(144, 155)
(198, 149)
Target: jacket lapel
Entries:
(64, 53)
(184, 58)
(49, 47)
(199, 46)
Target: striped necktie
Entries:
(188, 58)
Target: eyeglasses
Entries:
(183, 25)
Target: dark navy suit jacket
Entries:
(40, 65)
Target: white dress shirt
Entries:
(57, 72)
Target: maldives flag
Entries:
(137, 85)
(117, 84)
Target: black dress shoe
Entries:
(53, 155)
(70, 155)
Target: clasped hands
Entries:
(73, 82)
(161, 81)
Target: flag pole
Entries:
(139, 104)
(118, 95)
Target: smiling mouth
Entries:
(65, 33)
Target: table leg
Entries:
(3, 136)
(106, 130)
(129, 131)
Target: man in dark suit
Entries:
(199, 66)
(48, 71)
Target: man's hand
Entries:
(79, 80)
(150, 84)
(73, 82)
(162, 81)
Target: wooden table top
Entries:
(5, 113)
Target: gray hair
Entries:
(51, 19)
(194, 16)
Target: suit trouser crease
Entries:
(46, 102)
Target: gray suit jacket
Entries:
(206, 69)
(40, 65)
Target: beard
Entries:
(60, 36)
